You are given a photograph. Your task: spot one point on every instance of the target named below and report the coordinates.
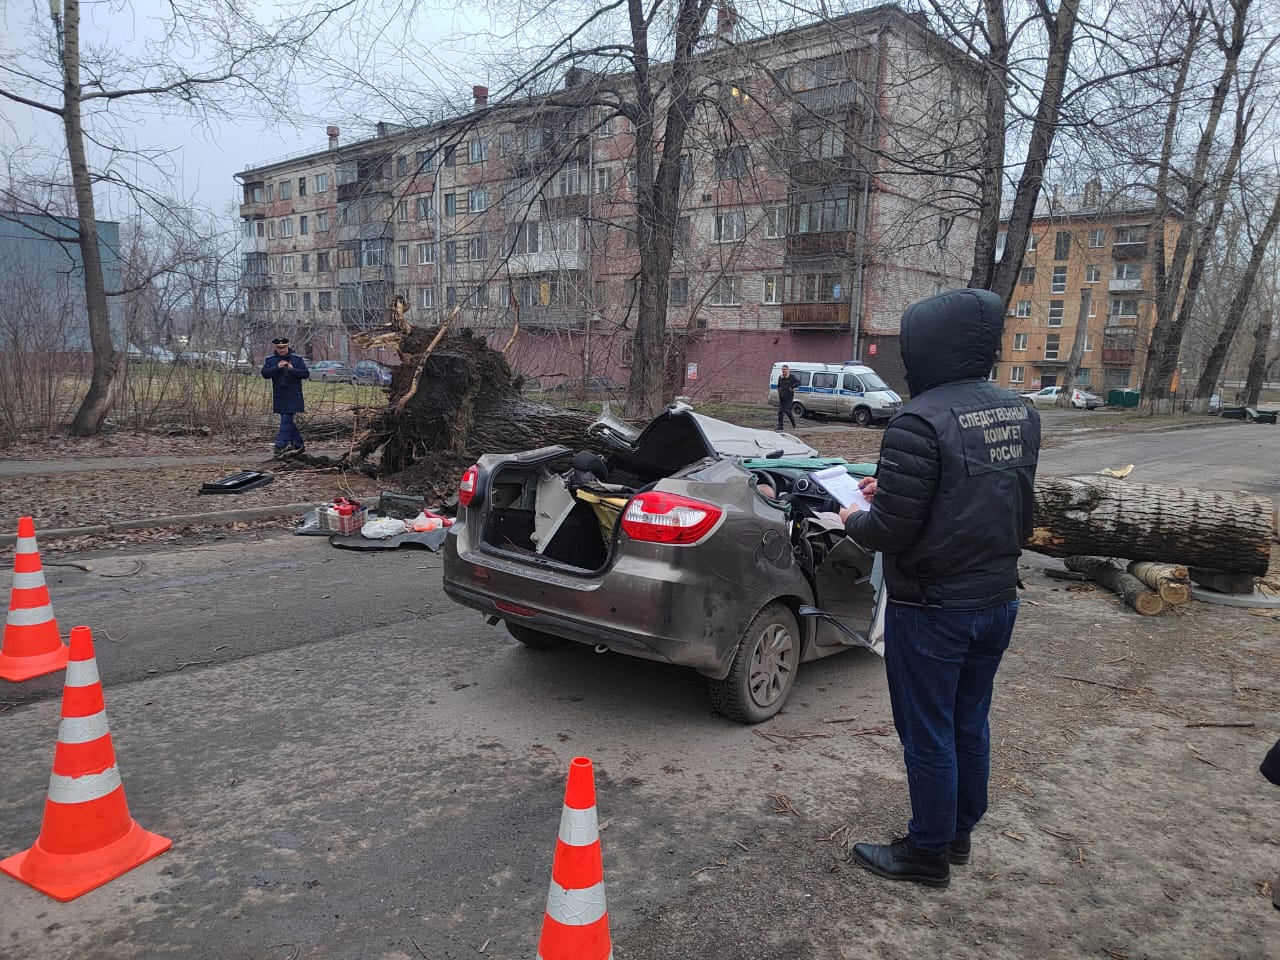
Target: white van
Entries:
(837, 390)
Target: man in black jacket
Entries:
(951, 504)
(787, 383)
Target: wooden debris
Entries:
(1167, 579)
(1132, 590)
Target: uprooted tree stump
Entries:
(1098, 516)
(451, 399)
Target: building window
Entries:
(1056, 310)
(402, 255)
(424, 209)
(450, 155)
(679, 293)
(477, 200)
(602, 180)
(732, 162)
(375, 253)
(286, 264)
(1028, 275)
(303, 223)
(426, 297)
(726, 292)
(275, 303)
(775, 222)
(1098, 237)
(426, 253)
(478, 150)
(1062, 245)
(325, 300)
(1059, 282)
(1130, 235)
(821, 212)
(683, 227)
(816, 288)
(526, 238)
(477, 248)
(306, 300)
(1016, 374)
(450, 204)
(348, 254)
(1131, 272)
(286, 189)
(402, 211)
(729, 227)
(322, 261)
(450, 251)
(1082, 377)
(820, 142)
(571, 180)
(322, 182)
(1124, 307)
(291, 301)
(271, 230)
(1002, 239)
(1032, 242)
(773, 286)
(286, 227)
(944, 230)
(1088, 343)
(1023, 308)
(322, 222)
(273, 265)
(1092, 273)
(402, 166)
(1020, 341)
(306, 263)
(1052, 343)
(450, 296)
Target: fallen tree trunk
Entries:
(1132, 590)
(1166, 579)
(1099, 516)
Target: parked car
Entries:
(370, 371)
(585, 387)
(152, 354)
(694, 542)
(332, 371)
(1048, 397)
(189, 358)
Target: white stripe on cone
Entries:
(81, 673)
(575, 908)
(26, 545)
(578, 827)
(93, 786)
(29, 616)
(28, 581)
(83, 729)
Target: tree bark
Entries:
(991, 166)
(1258, 360)
(97, 402)
(1166, 579)
(1077, 351)
(1132, 590)
(1098, 516)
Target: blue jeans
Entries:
(941, 667)
(288, 434)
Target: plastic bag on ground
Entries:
(380, 528)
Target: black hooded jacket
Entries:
(954, 499)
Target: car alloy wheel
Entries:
(862, 416)
(764, 667)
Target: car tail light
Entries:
(468, 485)
(656, 517)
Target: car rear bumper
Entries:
(692, 620)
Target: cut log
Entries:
(1166, 579)
(1099, 516)
(1132, 590)
(1234, 583)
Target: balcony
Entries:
(828, 97)
(815, 316)
(548, 261)
(553, 317)
(253, 210)
(1126, 286)
(1055, 360)
(253, 245)
(1121, 356)
(831, 170)
(831, 243)
(1129, 251)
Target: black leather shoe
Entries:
(903, 860)
(958, 850)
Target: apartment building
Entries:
(1086, 246)
(821, 190)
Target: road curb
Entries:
(125, 526)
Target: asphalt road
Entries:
(349, 765)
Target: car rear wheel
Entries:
(798, 410)
(862, 416)
(764, 668)
(533, 639)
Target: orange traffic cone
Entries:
(576, 923)
(87, 837)
(31, 646)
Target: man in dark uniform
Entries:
(787, 383)
(952, 503)
(286, 371)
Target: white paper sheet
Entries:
(838, 482)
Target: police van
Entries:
(837, 390)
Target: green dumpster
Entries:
(1123, 398)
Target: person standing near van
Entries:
(286, 371)
(787, 383)
(952, 503)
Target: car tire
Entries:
(798, 410)
(533, 639)
(763, 670)
(862, 416)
